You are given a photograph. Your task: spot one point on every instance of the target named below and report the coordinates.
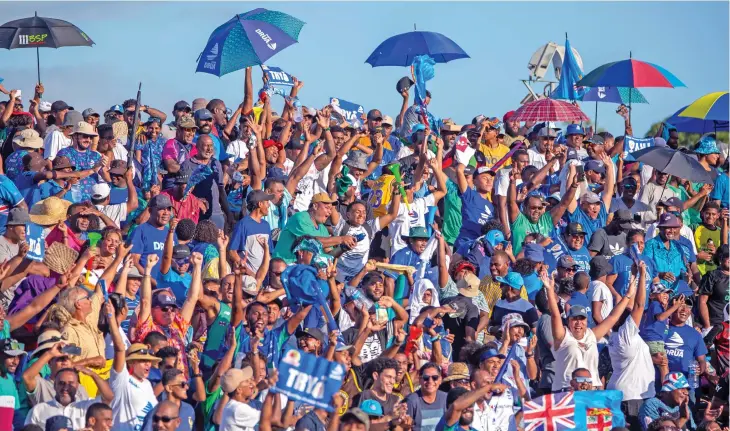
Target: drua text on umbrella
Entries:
(266, 38)
(211, 56)
(32, 39)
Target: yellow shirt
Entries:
(702, 236)
(493, 292)
(382, 195)
(494, 154)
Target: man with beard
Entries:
(149, 238)
(178, 149)
(460, 406)
(210, 189)
(66, 384)
(82, 157)
(204, 121)
(513, 131)
(383, 371)
(134, 396)
(427, 405)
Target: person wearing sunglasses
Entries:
(581, 380)
(427, 404)
(167, 417)
(672, 403)
(175, 391)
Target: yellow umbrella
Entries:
(713, 106)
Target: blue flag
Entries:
(423, 70)
(36, 242)
(351, 112)
(570, 74)
(309, 379)
(598, 410)
(506, 366)
(632, 145)
(201, 173)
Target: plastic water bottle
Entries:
(693, 377)
(76, 194)
(298, 117)
(359, 297)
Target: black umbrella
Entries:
(675, 163)
(39, 32)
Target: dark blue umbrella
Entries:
(675, 163)
(247, 40)
(695, 125)
(400, 50)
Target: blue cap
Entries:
(117, 108)
(534, 252)
(490, 353)
(417, 128)
(372, 408)
(202, 114)
(494, 237)
(574, 129)
(512, 279)
(578, 311)
(595, 165)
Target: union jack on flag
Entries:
(554, 412)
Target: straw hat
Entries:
(457, 371)
(120, 129)
(59, 257)
(140, 352)
(49, 211)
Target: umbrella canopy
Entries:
(614, 95)
(41, 32)
(549, 110)
(630, 73)
(711, 106)
(696, 125)
(401, 49)
(247, 40)
(675, 163)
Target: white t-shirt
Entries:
(239, 416)
(238, 149)
(54, 143)
(116, 212)
(573, 354)
(633, 371)
(133, 400)
(75, 411)
(405, 221)
(120, 153)
(306, 189)
(500, 413)
(501, 184)
(538, 160)
(352, 261)
(601, 293)
(109, 350)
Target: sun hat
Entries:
(11, 347)
(47, 340)
(707, 145)
(28, 138)
(534, 252)
(140, 352)
(674, 381)
(574, 129)
(60, 258)
(232, 379)
(513, 320)
(457, 371)
(357, 160)
(62, 162)
(512, 279)
(84, 128)
(469, 285)
(49, 211)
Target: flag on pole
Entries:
(570, 74)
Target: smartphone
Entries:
(104, 290)
(71, 350)
(580, 172)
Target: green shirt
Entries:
(215, 343)
(522, 226)
(7, 387)
(210, 399)
(452, 212)
(5, 331)
(298, 225)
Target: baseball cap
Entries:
(88, 112)
(673, 202)
(495, 237)
(595, 140)
(534, 252)
(18, 217)
(44, 106)
(490, 353)
(669, 220)
(574, 228)
(374, 114)
(180, 251)
(595, 165)
(485, 170)
(233, 378)
(566, 261)
(512, 279)
(181, 106)
(257, 196)
(160, 201)
(599, 266)
(203, 114)
(590, 198)
(322, 197)
(60, 105)
(507, 116)
(117, 108)
(674, 381)
(578, 311)
(658, 288)
(547, 132)
(117, 167)
(624, 218)
(358, 415)
(58, 423)
(311, 332)
(100, 191)
(574, 129)
(163, 298)
(387, 120)
(11, 347)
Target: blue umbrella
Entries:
(247, 40)
(695, 125)
(402, 49)
(570, 73)
(620, 95)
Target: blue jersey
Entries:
(10, 197)
(475, 212)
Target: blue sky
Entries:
(158, 44)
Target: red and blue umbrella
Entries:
(247, 40)
(402, 49)
(630, 73)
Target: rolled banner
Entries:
(406, 269)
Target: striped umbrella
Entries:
(711, 106)
(549, 110)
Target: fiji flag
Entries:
(553, 412)
(598, 410)
(569, 75)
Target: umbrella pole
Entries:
(630, 90)
(38, 63)
(595, 121)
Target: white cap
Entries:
(44, 106)
(100, 191)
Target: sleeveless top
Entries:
(572, 354)
(215, 345)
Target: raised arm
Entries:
(377, 157)
(566, 201)
(386, 219)
(119, 348)
(296, 319)
(145, 301)
(169, 245)
(247, 92)
(329, 144)
(638, 311)
(512, 208)
(264, 268)
(556, 322)
(610, 186)
(403, 109)
(20, 318)
(602, 328)
(438, 173)
(196, 259)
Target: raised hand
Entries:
(152, 260)
(196, 259)
(222, 240)
(263, 241)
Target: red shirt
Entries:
(189, 207)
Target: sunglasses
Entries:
(432, 377)
(181, 384)
(141, 352)
(569, 269)
(168, 308)
(583, 379)
(183, 261)
(163, 419)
